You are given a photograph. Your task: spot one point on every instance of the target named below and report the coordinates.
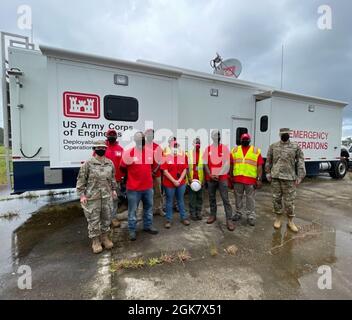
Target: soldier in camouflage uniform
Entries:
(96, 186)
(282, 160)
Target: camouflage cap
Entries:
(99, 143)
(285, 130)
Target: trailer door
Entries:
(262, 125)
(239, 127)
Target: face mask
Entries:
(112, 139)
(100, 152)
(285, 137)
(174, 150)
(245, 143)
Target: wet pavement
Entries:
(49, 235)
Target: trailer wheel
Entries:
(339, 169)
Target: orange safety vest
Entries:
(245, 165)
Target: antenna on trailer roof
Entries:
(229, 67)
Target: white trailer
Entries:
(61, 101)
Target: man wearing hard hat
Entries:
(246, 172)
(195, 175)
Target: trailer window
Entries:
(118, 108)
(239, 132)
(264, 123)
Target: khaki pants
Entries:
(158, 199)
(240, 189)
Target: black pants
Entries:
(223, 189)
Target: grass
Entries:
(9, 215)
(3, 178)
(138, 263)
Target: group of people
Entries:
(157, 177)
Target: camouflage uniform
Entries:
(282, 160)
(96, 180)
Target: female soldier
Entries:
(96, 186)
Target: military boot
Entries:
(277, 223)
(292, 225)
(115, 223)
(96, 245)
(107, 243)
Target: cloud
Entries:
(189, 33)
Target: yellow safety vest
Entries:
(167, 151)
(245, 165)
(200, 166)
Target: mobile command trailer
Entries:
(61, 101)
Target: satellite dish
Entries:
(229, 68)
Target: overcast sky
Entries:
(188, 33)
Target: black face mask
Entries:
(100, 152)
(285, 137)
(112, 139)
(245, 143)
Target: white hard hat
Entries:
(196, 185)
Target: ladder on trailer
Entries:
(9, 40)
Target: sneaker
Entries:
(251, 221)
(151, 230)
(167, 225)
(133, 236)
(185, 222)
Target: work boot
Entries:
(115, 223)
(96, 245)
(237, 217)
(107, 243)
(211, 219)
(277, 223)
(151, 230)
(132, 235)
(292, 225)
(230, 225)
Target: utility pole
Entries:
(282, 66)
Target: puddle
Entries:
(24, 221)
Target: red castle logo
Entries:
(81, 105)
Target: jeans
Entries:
(179, 192)
(223, 189)
(134, 197)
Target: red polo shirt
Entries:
(175, 165)
(247, 180)
(139, 169)
(114, 153)
(216, 157)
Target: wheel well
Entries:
(345, 154)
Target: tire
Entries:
(339, 169)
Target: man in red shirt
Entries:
(114, 152)
(137, 165)
(216, 160)
(246, 172)
(154, 149)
